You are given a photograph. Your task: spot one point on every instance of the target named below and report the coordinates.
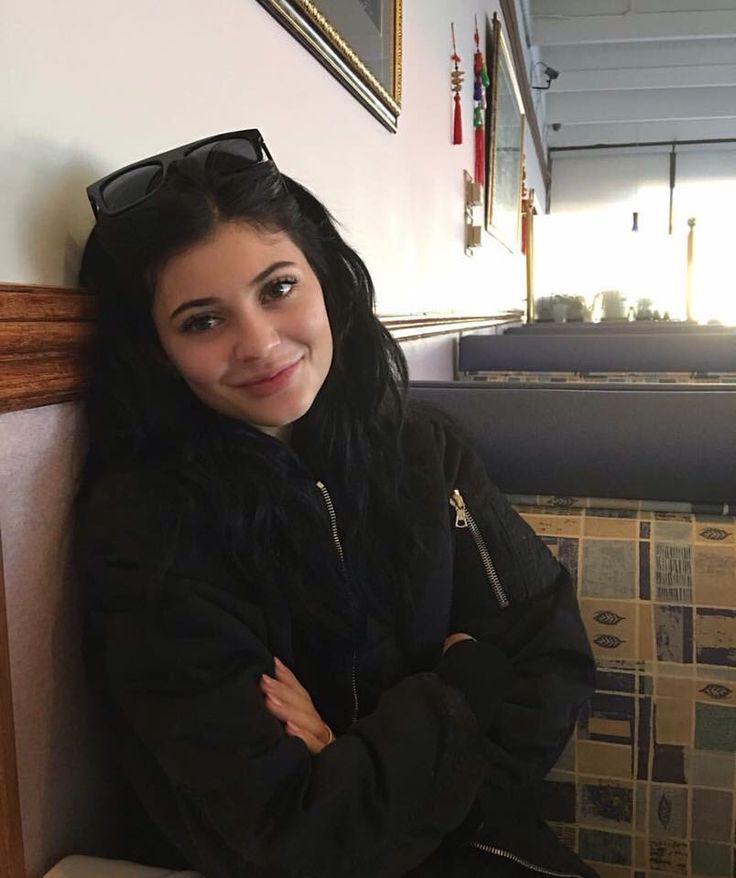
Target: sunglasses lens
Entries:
(130, 187)
(228, 156)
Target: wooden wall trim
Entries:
(508, 9)
(44, 333)
(12, 859)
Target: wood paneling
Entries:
(44, 333)
(12, 861)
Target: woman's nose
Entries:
(255, 337)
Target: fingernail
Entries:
(267, 681)
(275, 701)
(291, 725)
(277, 661)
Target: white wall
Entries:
(95, 84)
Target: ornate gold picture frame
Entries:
(358, 41)
(505, 142)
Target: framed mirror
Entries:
(358, 41)
(504, 142)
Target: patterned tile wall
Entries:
(645, 789)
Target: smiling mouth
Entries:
(276, 381)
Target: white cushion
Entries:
(77, 866)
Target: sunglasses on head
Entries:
(227, 153)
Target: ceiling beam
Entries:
(555, 30)
(584, 108)
(611, 56)
(653, 77)
(642, 132)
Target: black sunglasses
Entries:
(227, 153)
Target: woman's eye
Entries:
(200, 323)
(280, 288)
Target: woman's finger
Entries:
(285, 693)
(285, 676)
(307, 720)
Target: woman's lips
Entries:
(267, 386)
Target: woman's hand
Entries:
(290, 703)
(452, 639)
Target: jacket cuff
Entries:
(482, 673)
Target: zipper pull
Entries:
(456, 500)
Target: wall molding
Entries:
(44, 335)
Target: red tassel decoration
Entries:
(457, 122)
(480, 155)
(480, 84)
(456, 80)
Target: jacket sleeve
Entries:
(540, 632)
(181, 653)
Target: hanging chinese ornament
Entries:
(481, 81)
(456, 79)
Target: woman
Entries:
(325, 643)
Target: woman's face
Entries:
(242, 317)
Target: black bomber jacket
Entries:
(438, 761)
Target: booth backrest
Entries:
(632, 327)
(612, 352)
(672, 443)
(645, 788)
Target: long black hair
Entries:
(139, 410)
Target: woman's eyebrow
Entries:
(192, 303)
(211, 300)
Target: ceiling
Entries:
(634, 71)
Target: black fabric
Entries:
(482, 673)
(177, 638)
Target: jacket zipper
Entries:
(489, 849)
(463, 519)
(338, 546)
